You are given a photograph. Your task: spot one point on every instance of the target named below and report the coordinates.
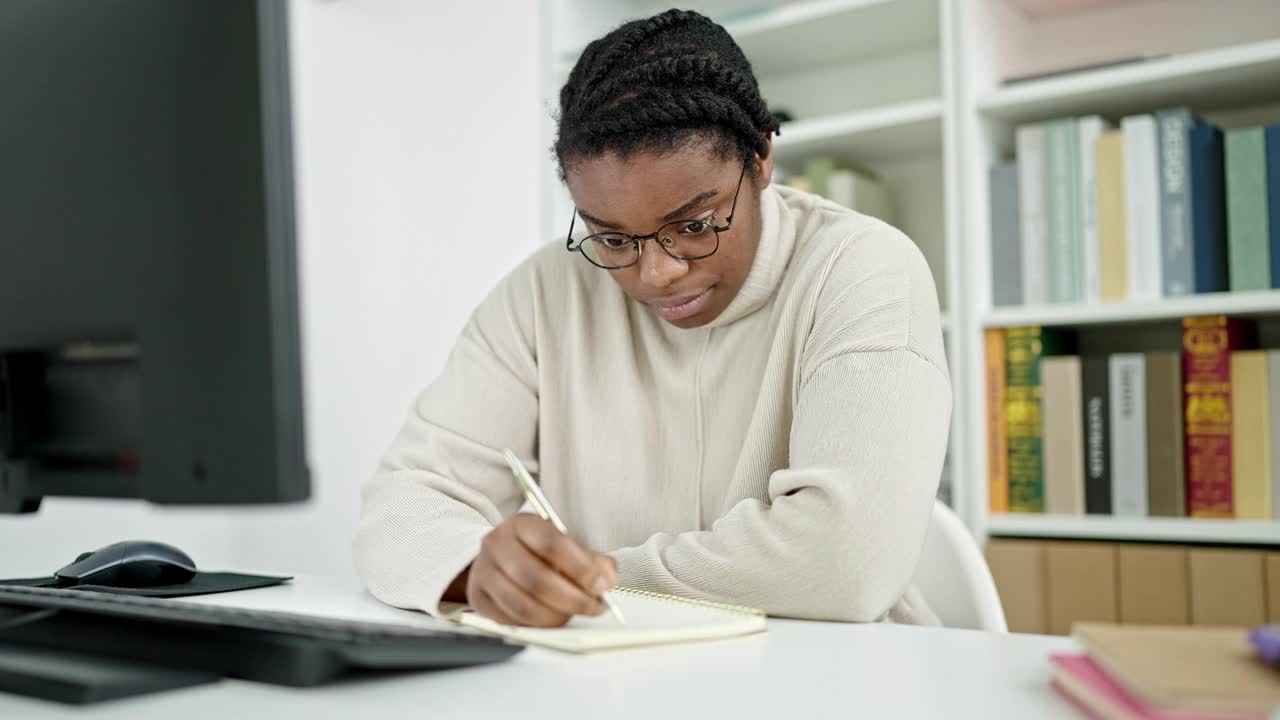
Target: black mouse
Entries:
(129, 564)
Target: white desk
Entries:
(797, 670)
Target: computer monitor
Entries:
(149, 340)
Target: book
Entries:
(652, 619)
(1062, 209)
(1113, 244)
(1006, 245)
(860, 192)
(1030, 148)
(1188, 669)
(1207, 344)
(1080, 680)
(1024, 348)
(817, 170)
(1248, 240)
(1273, 411)
(1154, 584)
(1142, 207)
(1208, 209)
(1096, 389)
(1178, 262)
(1062, 439)
(1228, 587)
(1272, 138)
(1080, 584)
(1250, 435)
(1128, 434)
(1166, 481)
(997, 443)
(1091, 129)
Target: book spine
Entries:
(1142, 207)
(1062, 438)
(997, 442)
(1096, 384)
(1250, 436)
(1091, 129)
(1030, 148)
(1023, 348)
(1272, 138)
(1209, 209)
(1177, 267)
(1247, 237)
(1059, 210)
(1207, 344)
(1113, 245)
(1273, 406)
(1006, 248)
(1128, 434)
(1166, 486)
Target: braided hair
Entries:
(661, 83)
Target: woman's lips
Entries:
(682, 308)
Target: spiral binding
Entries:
(740, 609)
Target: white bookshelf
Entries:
(1174, 308)
(1143, 529)
(914, 89)
(1224, 64)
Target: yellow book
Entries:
(997, 441)
(1250, 435)
(1112, 243)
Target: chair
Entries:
(954, 578)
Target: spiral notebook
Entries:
(652, 619)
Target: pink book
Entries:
(1088, 687)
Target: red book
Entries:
(1079, 679)
(1207, 344)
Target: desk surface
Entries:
(797, 670)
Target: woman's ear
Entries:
(766, 163)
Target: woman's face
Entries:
(640, 193)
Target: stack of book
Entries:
(1194, 432)
(1163, 205)
(855, 188)
(1156, 673)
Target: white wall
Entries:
(415, 124)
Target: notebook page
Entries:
(651, 620)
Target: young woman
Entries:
(730, 390)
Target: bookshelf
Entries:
(1223, 65)
(915, 90)
(1142, 529)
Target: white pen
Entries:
(534, 495)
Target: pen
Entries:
(534, 495)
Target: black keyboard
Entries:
(266, 646)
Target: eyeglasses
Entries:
(681, 239)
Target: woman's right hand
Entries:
(530, 573)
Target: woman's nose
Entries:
(660, 269)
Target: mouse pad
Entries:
(204, 583)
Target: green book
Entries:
(817, 170)
(1064, 224)
(1024, 348)
(1248, 245)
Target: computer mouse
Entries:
(129, 564)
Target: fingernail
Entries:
(601, 586)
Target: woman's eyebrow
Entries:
(677, 214)
(680, 212)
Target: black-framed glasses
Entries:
(681, 239)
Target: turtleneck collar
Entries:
(777, 240)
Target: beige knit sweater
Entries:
(785, 456)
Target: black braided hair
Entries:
(658, 84)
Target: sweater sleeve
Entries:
(841, 529)
(443, 484)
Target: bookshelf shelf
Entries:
(1172, 308)
(1187, 530)
(1209, 79)
(899, 130)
